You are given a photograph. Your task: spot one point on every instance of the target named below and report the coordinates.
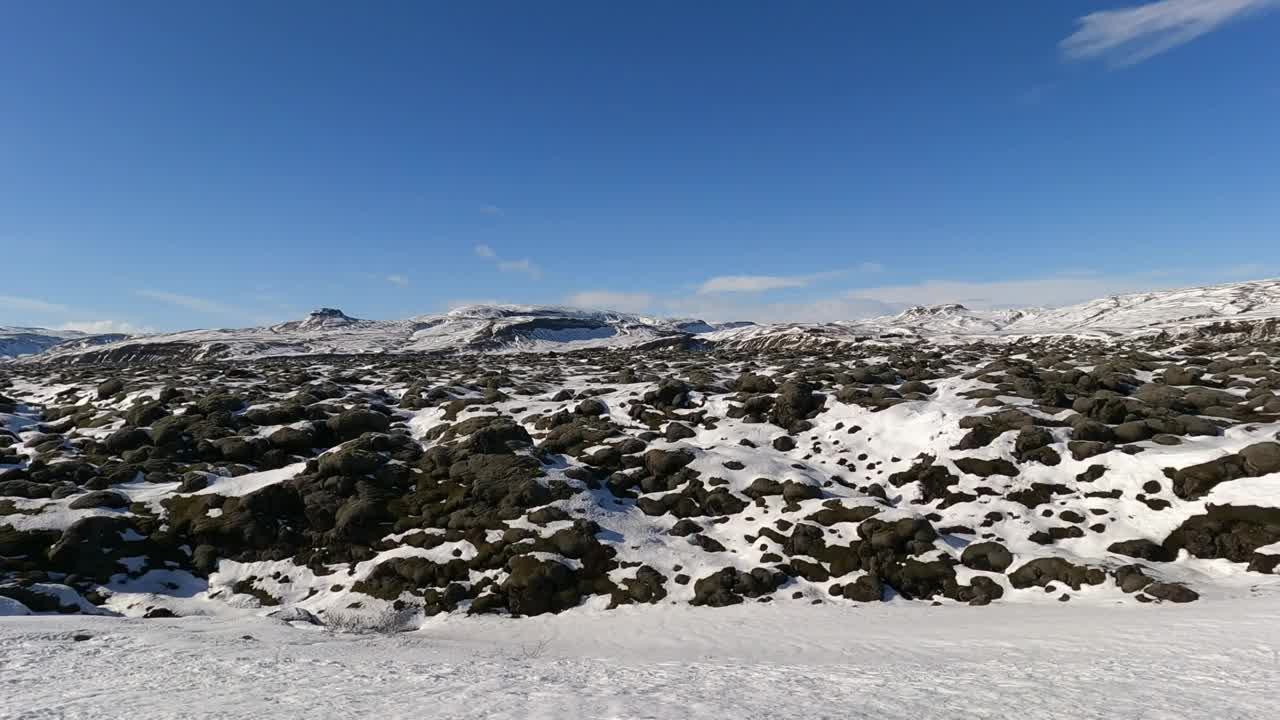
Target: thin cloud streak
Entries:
(186, 301)
(526, 266)
(752, 283)
(523, 265)
(35, 305)
(1051, 291)
(633, 302)
(765, 283)
(1127, 36)
(102, 327)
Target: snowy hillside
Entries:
(1166, 310)
(489, 328)
(1248, 307)
(382, 490)
(1252, 307)
(19, 341)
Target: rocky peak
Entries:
(326, 317)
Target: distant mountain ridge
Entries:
(1250, 307)
(19, 341)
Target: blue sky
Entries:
(178, 164)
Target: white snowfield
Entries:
(534, 328)
(880, 662)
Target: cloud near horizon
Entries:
(523, 265)
(1127, 36)
(186, 301)
(103, 327)
(398, 280)
(32, 305)
(1049, 291)
(764, 283)
(1057, 290)
(632, 302)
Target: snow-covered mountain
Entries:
(1248, 307)
(1164, 310)
(19, 341)
(486, 328)
(322, 319)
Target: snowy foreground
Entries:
(896, 660)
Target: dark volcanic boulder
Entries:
(661, 463)
(1171, 592)
(1262, 458)
(1042, 571)
(109, 388)
(796, 403)
(534, 586)
(1142, 549)
(350, 424)
(591, 406)
(988, 556)
(749, 383)
(125, 439)
(293, 440)
(919, 580)
(729, 586)
(1132, 578)
(100, 499)
(89, 547)
(1196, 481)
(986, 468)
(349, 460)
(1226, 531)
(145, 413)
(502, 480)
(867, 588)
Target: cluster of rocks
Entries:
(527, 484)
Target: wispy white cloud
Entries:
(723, 308)
(99, 327)
(523, 265)
(752, 283)
(1051, 291)
(1059, 289)
(764, 283)
(1250, 271)
(491, 210)
(186, 301)
(611, 300)
(32, 305)
(1127, 36)
(464, 302)
(400, 280)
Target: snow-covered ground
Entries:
(894, 660)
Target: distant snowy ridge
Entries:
(19, 341)
(1251, 308)
(479, 328)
